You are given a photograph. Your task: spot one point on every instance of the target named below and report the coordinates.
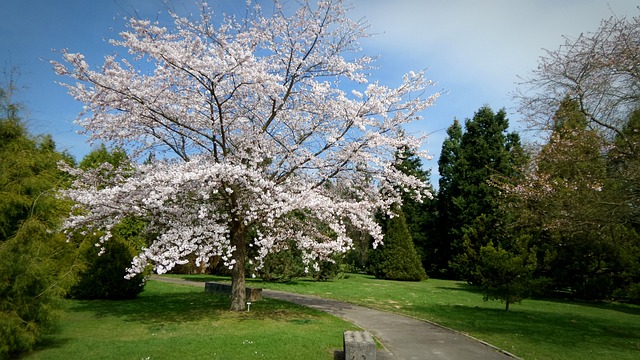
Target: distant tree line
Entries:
(561, 217)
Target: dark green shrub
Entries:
(630, 294)
(104, 277)
(328, 270)
(282, 266)
(397, 259)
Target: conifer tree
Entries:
(397, 259)
(507, 275)
(446, 227)
(573, 205)
(36, 261)
(483, 150)
(420, 215)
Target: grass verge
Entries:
(535, 329)
(169, 321)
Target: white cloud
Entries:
(475, 49)
(488, 40)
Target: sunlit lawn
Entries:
(535, 329)
(171, 321)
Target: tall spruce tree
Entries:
(446, 227)
(485, 149)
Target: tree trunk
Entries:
(507, 307)
(238, 287)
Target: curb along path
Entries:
(403, 337)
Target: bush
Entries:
(30, 285)
(104, 276)
(630, 294)
(328, 270)
(282, 266)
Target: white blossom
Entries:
(249, 124)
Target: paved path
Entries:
(404, 338)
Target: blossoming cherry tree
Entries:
(261, 128)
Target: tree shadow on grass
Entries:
(251, 282)
(169, 307)
(206, 278)
(630, 309)
(157, 307)
(603, 305)
(461, 287)
(560, 330)
(51, 341)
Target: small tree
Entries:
(506, 275)
(104, 277)
(397, 259)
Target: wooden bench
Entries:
(253, 294)
(359, 345)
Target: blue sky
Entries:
(474, 49)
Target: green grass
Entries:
(170, 321)
(535, 329)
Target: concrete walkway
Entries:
(404, 338)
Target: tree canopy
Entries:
(249, 120)
(467, 162)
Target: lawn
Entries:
(170, 321)
(535, 329)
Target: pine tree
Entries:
(507, 275)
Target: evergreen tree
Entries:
(116, 158)
(420, 215)
(397, 259)
(36, 264)
(482, 151)
(446, 226)
(507, 275)
(623, 162)
(578, 213)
